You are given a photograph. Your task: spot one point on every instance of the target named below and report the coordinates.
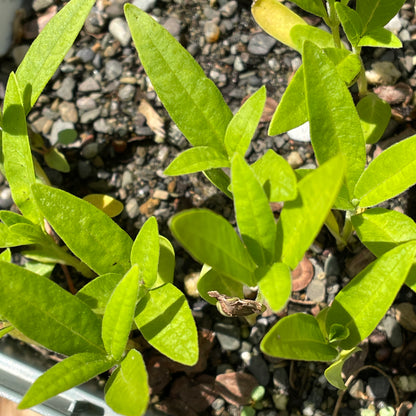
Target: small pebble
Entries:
(132, 208)
(211, 32)
(90, 150)
(393, 331)
(6, 199)
(228, 336)
(58, 127)
(377, 388)
(113, 69)
(261, 44)
(66, 90)
(119, 29)
(89, 85)
(145, 5)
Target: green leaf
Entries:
(276, 176)
(127, 391)
(364, 301)
(334, 372)
(334, 123)
(97, 293)
(145, 252)
(5, 330)
(211, 239)
(192, 100)
(166, 322)
(377, 13)
(71, 372)
(10, 239)
(320, 37)
(119, 314)
(89, 233)
(48, 314)
(374, 115)
(380, 38)
(56, 160)
(166, 267)
(348, 64)
(276, 19)
(6, 255)
(298, 337)
(220, 179)
(312, 6)
(351, 22)
(197, 159)
(49, 49)
(291, 112)
(42, 269)
(302, 218)
(381, 229)
(11, 218)
(254, 217)
(337, 332)
(212, 280)
(18, 163)
(276, 285)
(243, 125)
(388, 175)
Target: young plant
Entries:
(263, 252)
(132, 280)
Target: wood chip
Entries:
(154, 121)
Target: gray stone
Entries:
(84, 169)
(132, 208)
(331, 267)
(228, 336)
(90, 116)
(101, 126)
(58, 127)
(257, 366)
(301, 133)
(68, 111)
(85, 54)
(393, 331)
(113, 69)
(86, 104)
(127, 179)
(257, 333)
(378, 387)
(119, 29)
(145, 5)
(89, 85)
(261, 44)
(281, 379)
(7, 16)
(229, 8)
(39, 5)
(126, 92)
(66, 90)
(173, 26)
(6, 200)
(90, 150)
(316, 290)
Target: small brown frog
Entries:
(233, 306)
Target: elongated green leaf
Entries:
(71, 372)
(46, 313)
(211, 239)
(56, 160)
(89, 233)
(18, 164)
(348, 64)
(254, 217)
(164, 318)
(301, 219)
(374, 115)
(6, 255)
(119, 314)
(377, 13)
(145, 252)
(292, 111)
(197, 159)
(276, 19)
(49, 49)
(380, 38)
(312, 6)
(363, 302)
(351, 22)
(10, 239)
(334, 123)
(276, 285)
(97, 293)
(320, 37)
(381, 229)
(11, 218)
(334, 372)
(212, 280)
(127, 391)
(388, 175)
(31, 232)
(166, 267)
(192, 100)
(276, 176)
(298, 337)
(243, 125)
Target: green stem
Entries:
(333, 24)
(362, 79)
(348, 228)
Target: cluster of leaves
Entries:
(133, 287)
(264, 252)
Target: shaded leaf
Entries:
(380, 38)
(298, 337)
(312, 6)
(320, 37)
(351, 22)
(334, 372)
(166, 267)
(56, 160)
